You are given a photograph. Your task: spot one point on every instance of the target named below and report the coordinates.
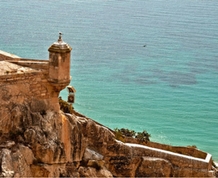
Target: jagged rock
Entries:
(39, 171)
(16, 162)
(38, 140)
(154, 167)
(22, 158)
(91, 155)
(7, 144)
(123, 165)
(7, 169)
(53, 144)
(93, 172)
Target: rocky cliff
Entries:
(38, 140)
(46, 143)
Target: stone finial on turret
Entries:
(60, 46)
(60, 37)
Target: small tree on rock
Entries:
(143, 136)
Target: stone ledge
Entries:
(175, 158)
(8, 56)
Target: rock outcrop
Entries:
(38, 140)
(46, 143)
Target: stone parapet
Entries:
(23, 79)
(188, 150)
(188, 165)
(18, 76)
(29, 84)
(32, 63)
(4, 56)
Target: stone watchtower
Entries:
(59, 64)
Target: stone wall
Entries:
(134, 160)
(189, 150)
(31, 88)
(4, 56)
(26, 86)
(35, 64)
(25, 82)
(188, 166)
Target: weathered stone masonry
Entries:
(46, 78)
(33, 81)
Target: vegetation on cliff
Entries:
(141, 137)
(120, 134)
(126, 136)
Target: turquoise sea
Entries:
(143, 64)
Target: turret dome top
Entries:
(60, 46)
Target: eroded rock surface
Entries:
(39, 142)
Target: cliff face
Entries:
(46, 143)
(39, 140)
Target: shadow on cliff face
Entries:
(39, 142)
(33, 128)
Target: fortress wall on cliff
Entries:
(26, 80)
(30, 113)
(29, 89)
(4, 56)
(186, 164)
(35, 64)
(31, 63)
(185, 150)
(29, 85)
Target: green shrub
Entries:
(120, 134)
(127, 132)
(143, 136)
(192, 146)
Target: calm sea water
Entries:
(144, 65)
